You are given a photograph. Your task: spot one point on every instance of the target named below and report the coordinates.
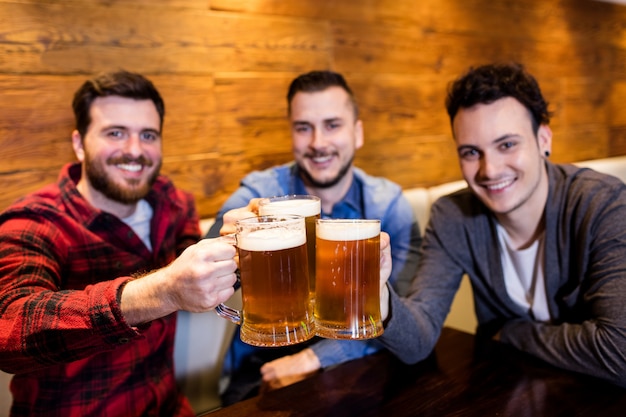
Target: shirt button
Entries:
(123, 340)
(130, 235)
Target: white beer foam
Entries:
(302, 207)
(271, 239)
(347, 230)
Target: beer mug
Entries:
(347, 288)
(276, 309)
(307, 206)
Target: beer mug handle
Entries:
(223, 310)
(228, 313)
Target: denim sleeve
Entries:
(333, 352)
(238, 199)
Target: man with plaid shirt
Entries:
(94, 268)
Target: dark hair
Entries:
(488, 83)
(315, 81)
(121, 83)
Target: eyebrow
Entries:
(117, 127)
(499, 139)
(306, 122)
(122, 127)
(506, 136)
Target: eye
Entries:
(505, 146)
(115, 133)
(333, 125)
(301, 128)
(469, 154)
(150, 136)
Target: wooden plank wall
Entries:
(223, 67)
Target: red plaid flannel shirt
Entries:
(62, 333)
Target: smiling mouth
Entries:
(499, 185)
(321, 159)
(130, 167)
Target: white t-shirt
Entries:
(524, 277)
(139, 221)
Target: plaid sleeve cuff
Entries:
(106, 314)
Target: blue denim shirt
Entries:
(367, 198)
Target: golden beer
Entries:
(274, 281)
(347, 291)
(307, 206)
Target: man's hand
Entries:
(198, 280)
(231, 216)
(289, 369)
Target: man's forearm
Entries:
(145, 299)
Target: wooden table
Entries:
(460, 378)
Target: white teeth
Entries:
(130, 167)
(499, 186)
(322, 159)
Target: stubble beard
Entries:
(309, 180)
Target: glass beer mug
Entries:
(307, 206)
(276, 308)
(347, 288)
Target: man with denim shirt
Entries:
(326, 133)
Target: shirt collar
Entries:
(350, 206)
(160, 193)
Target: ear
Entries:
(544, 140)
(77, 144)
(358, 134)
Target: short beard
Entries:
(96, 174)
(308, 178)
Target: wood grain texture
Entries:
(223, 67)
(464, 376)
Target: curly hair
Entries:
(488, 83)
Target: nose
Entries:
(133, 145)
(488, 166)
(317, 139)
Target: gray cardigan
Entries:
(585, 277)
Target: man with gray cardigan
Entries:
(544, 245)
